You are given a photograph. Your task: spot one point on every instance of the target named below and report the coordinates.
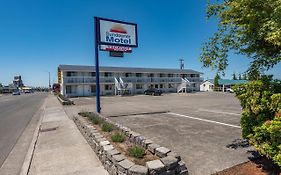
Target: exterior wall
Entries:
(207, 86)
(80, 82)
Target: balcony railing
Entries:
(86, 80)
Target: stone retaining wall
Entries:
(169, 163)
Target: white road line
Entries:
(205, 120)
(219, 112)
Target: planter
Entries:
(65, 101)
(116, 163)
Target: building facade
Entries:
(77, 80)
(18, 81)
(224, 84)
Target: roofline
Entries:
(87, 68)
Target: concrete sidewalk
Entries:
(60, 147)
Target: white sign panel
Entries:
(117, 33)
(115, 48)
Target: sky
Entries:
(38, 35)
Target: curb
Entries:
(28, 158)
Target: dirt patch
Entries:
(123, 147)
(258, 166)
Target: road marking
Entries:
(205, 120)
(219, 112)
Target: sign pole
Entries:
(98, 108)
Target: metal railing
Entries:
(81, 80)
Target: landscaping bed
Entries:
(258, 166)
(123, 151)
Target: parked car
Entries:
(153, 91)
(16, 93)
(229, 90)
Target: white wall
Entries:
(206, 86)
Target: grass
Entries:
(136, 151)
(118, 137)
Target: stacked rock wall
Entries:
(169, 163)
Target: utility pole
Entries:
(49, 80)
(181, 63)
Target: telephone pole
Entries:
(181, 63)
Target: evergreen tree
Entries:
(216, 81)
(234, 76)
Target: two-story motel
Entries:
(78, 80)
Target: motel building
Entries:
(78, 80)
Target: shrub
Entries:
(107, 127)
(136, 151)
(84, 114)
(118, 137)
(261, 116)
(96, 120)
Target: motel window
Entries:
(162, 75)
(170, 75)
(162, 86)
(93, 89)
(156, 86)
(139, 86)
(138, 74)
(108, 74)
(108, 87)
(194, 75)
(128, 74)
(184, 75)
(150, 75)
(92, 74)
(171, 86)
(68, 89)
(71, 74)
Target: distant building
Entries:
(77, 80)
(18, 81)
(208, 85)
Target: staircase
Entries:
(122, 88)
(184, 85)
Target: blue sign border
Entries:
(117, 21)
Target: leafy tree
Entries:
(1, 85)
(234, 76)
(249, 27)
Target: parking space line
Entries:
(218, 112)
(205, 120)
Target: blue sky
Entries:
(38, 35)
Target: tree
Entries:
(249, 27)
(234, 76)
(216, 81)
(244, 76)
(1, 85)
(239, 76)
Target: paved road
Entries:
(15, 114)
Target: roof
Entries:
(126, 69)
(228, 81)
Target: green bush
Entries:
(107, 127)
(261, 116)
(96, 120)
(136, 151)
(118, 137)
(84, 114)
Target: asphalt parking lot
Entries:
(199, 126)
